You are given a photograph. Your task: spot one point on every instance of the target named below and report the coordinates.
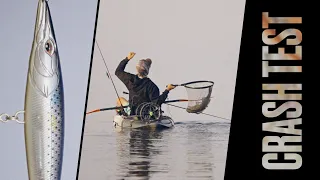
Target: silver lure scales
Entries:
(44, 102)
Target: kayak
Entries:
(134, 122)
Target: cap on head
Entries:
(143, 67)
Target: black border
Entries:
(244, 156)
(88, 88)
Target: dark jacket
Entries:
(140, 90)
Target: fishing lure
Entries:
(44, 102)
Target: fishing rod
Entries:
(109, 75)
(199, 113)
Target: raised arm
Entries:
(120, 73)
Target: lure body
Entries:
(44, 102)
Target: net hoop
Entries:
(187, 85)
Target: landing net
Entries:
(199, 95)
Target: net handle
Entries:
(188, 83)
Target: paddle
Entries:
(170, 101)
(106, 109)
(117, 107)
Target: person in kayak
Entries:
(141, 87)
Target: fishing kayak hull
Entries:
(132, 122)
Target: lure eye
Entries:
(49, 47)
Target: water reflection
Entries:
(188, 151)
(200, 156)
(136, 149)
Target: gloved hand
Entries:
(131, 55)
(170, 87)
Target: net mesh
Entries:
(199, 96)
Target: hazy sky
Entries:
(74, 26)
(187, 41)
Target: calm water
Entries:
(190, 150)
